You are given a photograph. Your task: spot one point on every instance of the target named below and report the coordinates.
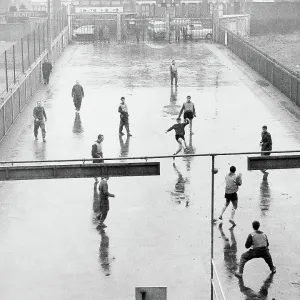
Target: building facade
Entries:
(4, 5)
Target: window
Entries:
(183, 9)
(145, 10)
(192, 10)
(85, 2)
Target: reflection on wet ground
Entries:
(190, 150)
(179, 192)
(265, 196)
(173, 108)
(77, 126)
(104, 258)
(230, 251)
(156, 241)
(40, 149)
(124, 146)
(263, 292)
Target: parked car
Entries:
(197, 31)
(157, 30)
(85, 32)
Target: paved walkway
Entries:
(158, 228)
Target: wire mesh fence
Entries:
(284, 79)
(15, 61)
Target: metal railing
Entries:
(18, 59)
(26, 81)
(284, 79)
(84, 160)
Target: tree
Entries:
(13, 8)
(22, 6)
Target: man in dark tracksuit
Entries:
(177, 33)
(259, 243)
(124, 117)
(77, 94)
(266, 144)
(266, 141)
(46, 69)
(97, 151)
(40, 117)
(173, 73)
(137, 33)
(104, 201)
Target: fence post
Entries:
(22, 55)
(14, 64)
(34, 52)
(266, 72)
(39, 37)
(28, 50)
(12, 108)
(49, 37)
(212, 225)
(43, 36)
(290, 81)
(297, 86)
(6, 72)
(281, 80)
(4, 124)
(272, 71)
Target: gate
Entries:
(190, 29)
(172, 29)
(94, 27)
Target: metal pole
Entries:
(22, 53)
(28, 46)
(39, 37)
(6, 73)
(34, 52)
(212, 225)
(69, 20)
(49, 29)
(14, 64)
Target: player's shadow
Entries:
(124, 147)
(173, 95)
(77, 126)
(190, 150)
(265, 196)
(230, 251)
(179, 194)
(104, 259)
(40, 149)
(172, 109)
(262, 294)
(96, 203)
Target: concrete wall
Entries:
(276, 17)
(238, 24)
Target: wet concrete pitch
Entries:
(158, 228)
